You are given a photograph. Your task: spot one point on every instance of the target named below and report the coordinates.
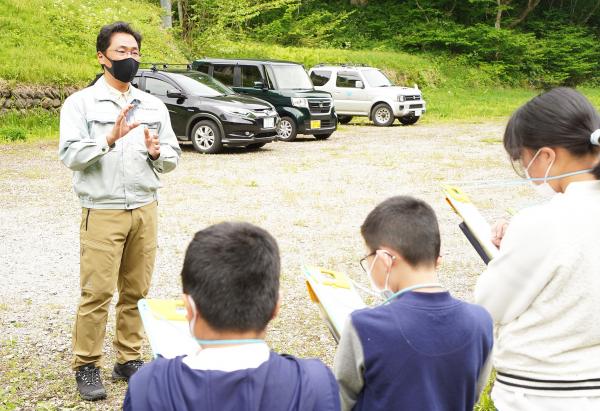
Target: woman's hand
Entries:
(498, 231)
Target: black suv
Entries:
(284, 84)
(209, 113)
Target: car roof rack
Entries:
(346, 64)
(165, 66)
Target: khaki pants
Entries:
(118, 248)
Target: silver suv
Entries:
(366, 91)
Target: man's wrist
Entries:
(110, 141)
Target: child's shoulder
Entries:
(310, 365)
(381, 313)
(154, 368)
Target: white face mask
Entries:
(192, 323)
(545, 189)
(384, 292)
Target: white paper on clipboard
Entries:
(166, 328)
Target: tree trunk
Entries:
(180, 12)
(594, 10)
(359, 2)
(499, 14)
(531, 5)
(166, 18)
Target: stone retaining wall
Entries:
(22, 98)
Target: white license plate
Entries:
(418, 113)
(269, 122)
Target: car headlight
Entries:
(401, 98)
(238, 112)
(299, 102)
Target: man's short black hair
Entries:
(106, 32)
(231, 271)
(406, 225)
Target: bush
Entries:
(13, 134)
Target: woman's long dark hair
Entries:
(561, 117)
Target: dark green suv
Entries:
(286, 85)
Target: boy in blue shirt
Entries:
(230, 282)
(422, 349)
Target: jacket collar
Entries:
(102, 92)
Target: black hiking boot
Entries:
(89, 383)
(125, 371)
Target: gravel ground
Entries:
(311, 195)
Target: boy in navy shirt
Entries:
(422, 349)
(230, 282)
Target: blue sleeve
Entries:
(127, 402)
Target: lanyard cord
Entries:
(514, 182)
(412, 287)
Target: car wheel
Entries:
(206, 137)
(255, 146)
(322, 136)
(344, 119)
(383, 116)
(287, 130)
(408, 120)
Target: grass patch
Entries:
(54, 41)
(32, 126)
(453, 91)
(402, 68)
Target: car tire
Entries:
(206, 137)
(255, 146)
(344, 119)
(287, 129)
(322, 136)
(409, 120)
(382, 115)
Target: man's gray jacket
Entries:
(122, 176)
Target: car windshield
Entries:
(200, 84)
(291, 76)
(376, 78)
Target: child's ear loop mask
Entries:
(192, 323)
(383, 255)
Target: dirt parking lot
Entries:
(311, 195)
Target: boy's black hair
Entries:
(562, 117)
(106, 32)
(231, 271)
(406, 225)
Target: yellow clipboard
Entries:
(335, 296)
(479, 230)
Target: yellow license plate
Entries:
(315, 123)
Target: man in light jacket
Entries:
(117, 140)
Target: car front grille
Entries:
(319, 106)
(327, 123)
(412, 98)
(416, 106)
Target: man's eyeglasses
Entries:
(124, 53)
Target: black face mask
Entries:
(123, 70)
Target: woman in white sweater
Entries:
(543, 289)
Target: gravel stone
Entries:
(311, 195)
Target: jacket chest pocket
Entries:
(100, 124)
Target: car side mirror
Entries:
(359, 84)
(260, 85)
(175, 94)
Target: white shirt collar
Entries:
(117, 93)
(230, 358)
